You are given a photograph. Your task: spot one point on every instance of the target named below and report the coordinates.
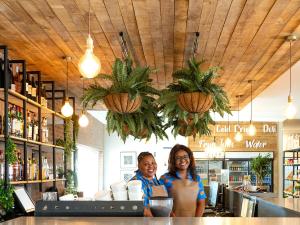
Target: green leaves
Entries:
(192, 79)
(6, 196)
(11, 151)
(261, 166)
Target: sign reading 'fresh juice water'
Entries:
(265, 138)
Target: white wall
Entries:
(113, 145)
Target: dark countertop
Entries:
(147, 221)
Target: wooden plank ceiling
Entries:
(245, 37)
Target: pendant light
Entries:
(251, 129)
(83, 120)
(228, 141)
(89, 65)
(291, 109)
(238, 135)
(67, 109)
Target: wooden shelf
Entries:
(237, 171)
(61, 179)
(35, 181)
(36, 104)
(293, 150)
(32, 142)
(292, 180)
(292, 164)
(18, 182)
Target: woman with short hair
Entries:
(150, 184)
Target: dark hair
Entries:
(172, 164)
(142, 155)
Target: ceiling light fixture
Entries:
(67, 109)
(291, 109)
(89, 65)
(238, 135)
(251, 129)
(83, 120)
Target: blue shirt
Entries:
(167, 179)
(146, 186)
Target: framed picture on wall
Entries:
(128, 160)
(126, 175)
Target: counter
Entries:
(148, 221)
(268, 204)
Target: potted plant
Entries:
(141, 124)
(128, 119)
(195, 94)
(261, 167)
(128, 87)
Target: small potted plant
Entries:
(187, 101)
(261, 167)
(128, 118)
(6, 198)
(128, 87)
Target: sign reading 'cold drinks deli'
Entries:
(265, 138)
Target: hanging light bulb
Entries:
(89, 65)
(291, 109)
(83, 120)
(251, 129)
(238, 135)
(67, 109)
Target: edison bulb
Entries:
(89, 65)
(228, 142)
(290, 111)
(238, 136)
(251, 130)
(83, 120)
(67, 109)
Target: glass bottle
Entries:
(33, 89)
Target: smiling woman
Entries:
(183, 184)
(150, 184)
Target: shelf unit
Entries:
(8, 96)
(291, 168)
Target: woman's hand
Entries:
(172, 214)
(147, 212)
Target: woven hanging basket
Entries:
(183, 131)
(121, 103)
(195, 102)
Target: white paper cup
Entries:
(120, 186)
(135, 196)
(120, 195)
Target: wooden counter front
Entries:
(148, 221)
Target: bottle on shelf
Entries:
(35, 128)
(13, 120)
(45, 169)
(29, 126)
(44, 130)
(13, 83)
(15, 167)
(21, 122)
(43, 96)
(21, 167)
(33, 89)
(29, 162)
(18, 82)
(28, 86)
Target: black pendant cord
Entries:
(83, 108)
(67, 91)
(290, 68)
(89, 17)
(251, 102)
(238, 110)
(228, 125)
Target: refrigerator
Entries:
(230, 169)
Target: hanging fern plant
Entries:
(187, 121)
(135, 84)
